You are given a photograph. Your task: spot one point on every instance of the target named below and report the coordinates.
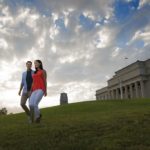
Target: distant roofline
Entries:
(129, 65)
(138, 61)
(103, 89)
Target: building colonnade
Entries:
(126, 91)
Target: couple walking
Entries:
(34, 87)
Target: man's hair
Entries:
(29, 62)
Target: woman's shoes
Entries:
(37, 120)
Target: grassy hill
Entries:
(95, 125)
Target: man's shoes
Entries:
(29, 120)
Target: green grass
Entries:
(95, 125)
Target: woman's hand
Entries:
(30, 92)
(45, 93)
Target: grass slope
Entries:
(95, 125)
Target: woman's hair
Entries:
(41, 66)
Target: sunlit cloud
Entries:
(81, 44)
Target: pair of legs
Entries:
(24, 98)
(34, 100)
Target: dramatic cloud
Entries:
(143, 2)
(81, 43)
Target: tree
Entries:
(3, 111)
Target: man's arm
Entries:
(30, 92)
(21, 86)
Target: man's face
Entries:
(29, 65)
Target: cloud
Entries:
(143, 2)
(81, 44)
(96, 5)
(137, 22)
(143, 35)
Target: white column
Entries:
(109, 94)
(142, 89)
(96, 97)
(117, 93)
(113, 97)
(121, 92)
(131, 91)
(126, 91)
(136, 90)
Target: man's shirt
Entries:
(27, 80)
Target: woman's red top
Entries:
(39, 81)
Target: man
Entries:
(26, 84)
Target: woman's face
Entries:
(37, 64)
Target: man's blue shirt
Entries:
(24, 82)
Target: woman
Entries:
(39, 89)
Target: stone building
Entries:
(63, 98)
(132, 81)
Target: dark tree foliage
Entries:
(3, 111)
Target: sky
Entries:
(80, 42)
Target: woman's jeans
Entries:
(34, 100)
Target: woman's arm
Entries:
(45, 81)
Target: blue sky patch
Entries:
(86, 22)
(123, 10)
